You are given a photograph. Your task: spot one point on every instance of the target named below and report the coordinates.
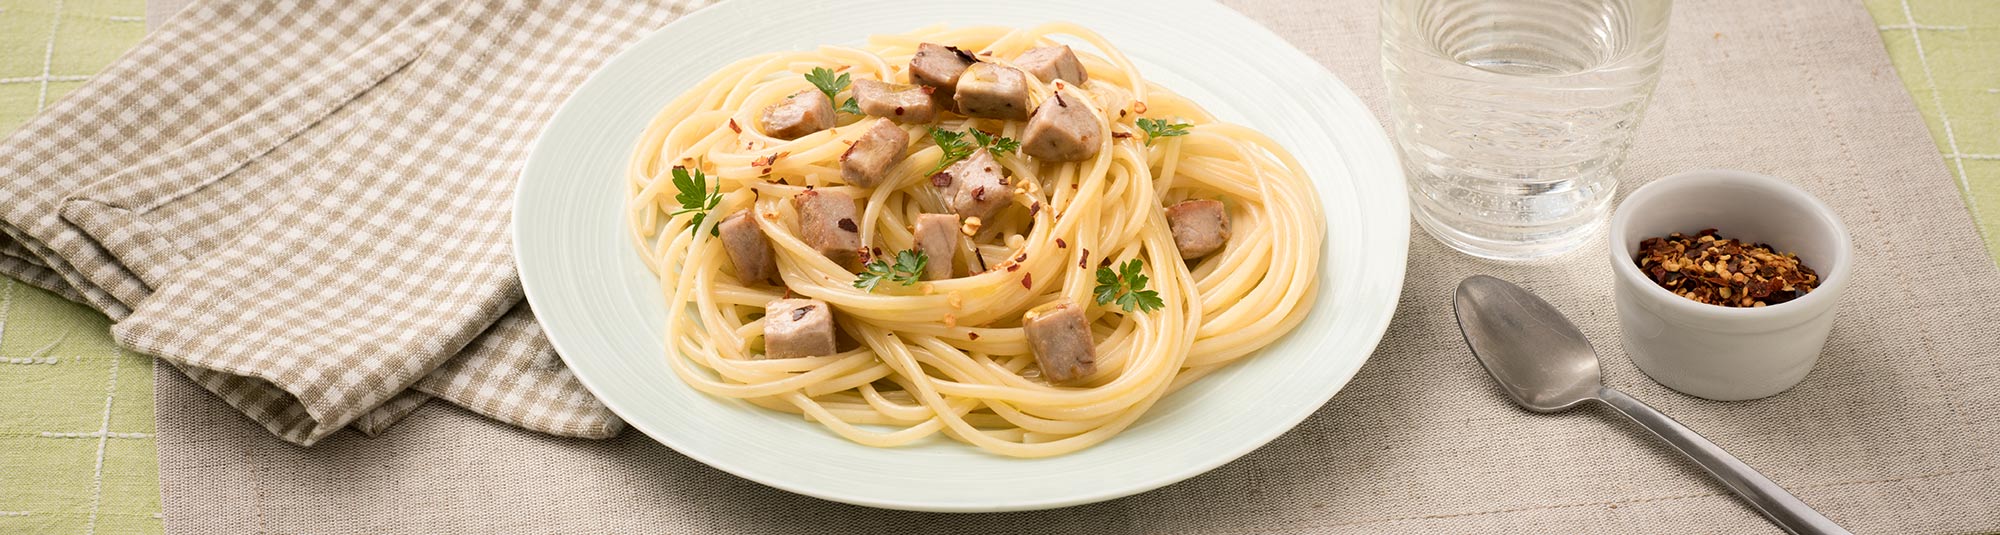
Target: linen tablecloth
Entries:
(73, 398)
(1890, 433)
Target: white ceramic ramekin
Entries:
(1718, 352)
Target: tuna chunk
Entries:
(828, 224)
(1200, 227)
(992, 91)
(798, 328)
(1060, 339)
(900, 103)
(1051, 63)
(748, 250)
(867, 162)
(938, 66)
(1063, 130)
(974, 187)
(937, 238)
(801, 113)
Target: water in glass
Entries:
(1513, 116)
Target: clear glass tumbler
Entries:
(1513, 116)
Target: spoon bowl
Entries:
(1540, 359)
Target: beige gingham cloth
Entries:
(304, 205)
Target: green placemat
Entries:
(76, 449)
(1948, 52)
(76, 413)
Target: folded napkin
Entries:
(304, 205)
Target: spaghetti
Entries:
(950, 357)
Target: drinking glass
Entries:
(1513, 116)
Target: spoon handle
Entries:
(1766, 496)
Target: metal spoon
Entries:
(1545, 365)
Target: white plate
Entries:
(603, 310)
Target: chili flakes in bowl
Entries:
(1711, 269)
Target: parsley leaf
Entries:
(1159, 129)
(999, 146)
(953, 144)
(823, 78)
(1126, 287)
(695, 196)
(956, 148)
(849, 107)
(909, 267)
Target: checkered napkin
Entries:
(304, 205)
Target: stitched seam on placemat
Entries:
(76, 514)
(1924, 334)
(49, 58)
(1671, 497)
(1944, 119)
(103, 441)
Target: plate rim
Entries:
(1397, 236)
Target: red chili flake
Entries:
(1036, 208)
(1105, 262)
(1028, 280)
(899, 110)
(847, 225)
(1121, 114)
(1082, 262)
(979, 193)
(878, 251)
(842, 68)
(1709, 268)
(971, 336)
(1060, 244)
(733, 127)
(1013, 267)
(1023, 257)
(942, 179)
(1059, 101)
(1121, 135)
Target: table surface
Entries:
(76, 449)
